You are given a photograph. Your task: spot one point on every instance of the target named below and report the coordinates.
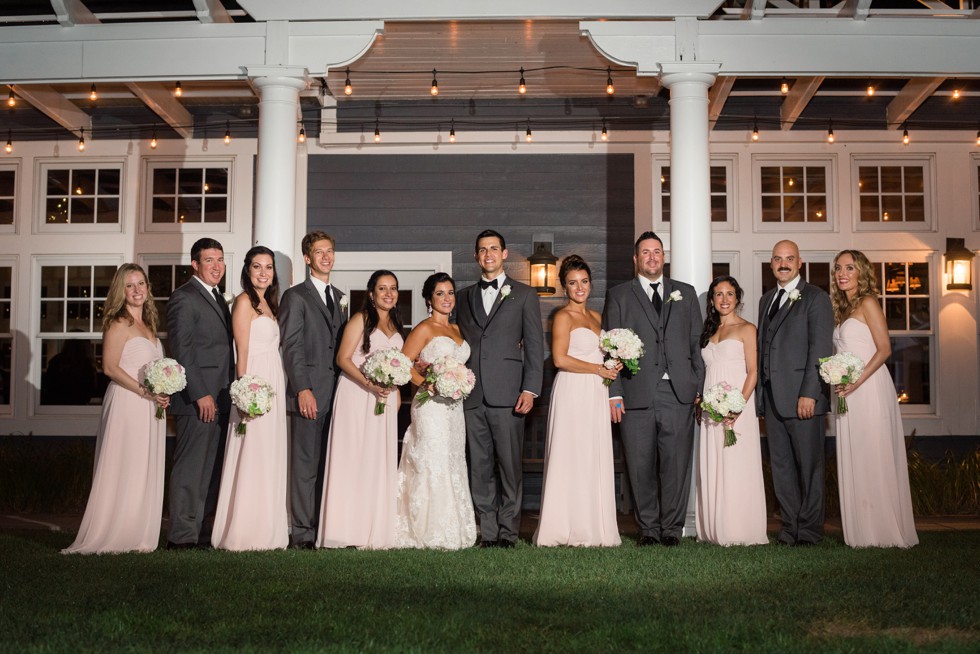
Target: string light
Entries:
(784, 87)
(610, 89)
(177, 90)
(153, 140)
(377, 132)
(10, 143)
(956, 93)
(755, 130)
(11, 98)
(978, 137)
(227, 133)
(521, 86)
(905, 134)
(452, 131)
(830, 132)
(605, 134)
(871, 89)
(302, 135)
(92, 94)
(435, 84)
(527, 134)
(348, 89)
(81, 140)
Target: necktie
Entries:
(484, 284)
(221, 303)
(775, 305)
(658, 303)
(328, 294)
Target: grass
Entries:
(692, 598)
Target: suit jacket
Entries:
(790, 346)
(308, 336)
(199, 338)
(670, 341)
(507, 347)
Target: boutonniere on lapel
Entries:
(344, 303)
(675, 296)
(794, 296)
(504, 292)
(229, 298)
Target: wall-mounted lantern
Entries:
(959, 265)
(543, 269)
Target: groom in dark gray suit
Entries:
(311, 318)
(501, 320)
(796, 326)
(656, 406)
(199, 337)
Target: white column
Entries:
(275, 175)
(690, 196)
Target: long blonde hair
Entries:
(115, 302)
(866, 285)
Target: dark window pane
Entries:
(918, 279)
(108, 210)
(6, 348)
(913, 179)
(182, 274)
(793, 179)
(867, 179)
(82, 210)
(719, 179)
(103, 280)
(719, 269)
(719, 208)
(163, 210)
(5, 317)
(818, 274)
(164, 181)
(891, 208)
(79, 281)
(772, 209)
(816, 208)
(52, 316)
(915, 208)
(69, 373)
(216, 181)
(58, 181)
(6, 212)
(162, 311)
(83, 182)
(909, 367)
(6, 278)
(869, 209)
(770, 178)
(895, 313)
(895, 279)
(216, 210)
(52, 281)
(56, 210)
(160, 277)
(919, 313)
(816, 180)
(665, 207)
(891, 179)
(188, 209)
(768, 281)
(190, 181)
(79, 316)
(793, 209)
(7, 183)
(108, 181)
(665, 179)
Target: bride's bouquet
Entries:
(448, 378)
(842, 368)
(621, 345)
(164, 376)
(387, 368)
(252, 395)
(723, 402)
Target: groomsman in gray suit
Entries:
(656, 406)
(200, 339)
(311, 318)
(796, 325)
(501, 320)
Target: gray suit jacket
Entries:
(199, 338)
(670, 342)
(309, 336)
(790, 345)
(507, 347)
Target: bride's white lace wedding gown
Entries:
(435, 509)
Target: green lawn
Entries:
(691, 598)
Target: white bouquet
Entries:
(722, 402)
(253, 397)
(448, 378)
(387, 368)
(842, 368)
(164, 376)
(621, 345)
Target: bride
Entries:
(434, 505)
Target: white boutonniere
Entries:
(344, 302)
(675, 296)
(229, 298)
(794, 295)
(504, 291)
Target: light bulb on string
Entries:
(302, 135)
(956, 93)
(434, 90)
(521, 86)
(905, 134)
(605, 134)
(93, 94)
(870, 89)
(10, 143)
(452, 131)
(178, 91)
(610, 89)
(348, 89)
(11, 98)
(527, 134)
(784, 87)
(153, 139)
(978, 137)
(227, 133)
(755, 130)
(830, 132)
(81, 140)
(377, 132)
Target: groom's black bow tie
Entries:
(484, 284)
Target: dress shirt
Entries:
(789, 288)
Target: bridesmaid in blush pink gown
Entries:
(126, 502)
(361, 476)
(252, 511)
(578, 497)
(731, 498)
(873, 475)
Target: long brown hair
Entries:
(371, 316)
(115, 302)
(272, 292)
(866, 285)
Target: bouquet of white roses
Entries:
(621, 345)
(387, 368)
(164, 376)
(842, 368)
(722, 402)
(446, 377)
(252, 395)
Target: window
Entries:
(905, 288)
(8, 185)
(722, 189)
(6, 331)
(87, 195)
(815, 272)
(793, 195)
(975, 160)
(893, 194)
(181, 195)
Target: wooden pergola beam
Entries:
(212, 11)
(797, 99)
(856, 9)
(55, 106)
(913, 94)
(161, 101)
(73, 12)
(718, 96)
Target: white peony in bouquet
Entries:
(164, 376)
(448, 378)
(723, 402)
(621, 345)
(252, 395)
(387, 368)
(842, 368)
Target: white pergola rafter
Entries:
(913, 94)
(73, 12)
(55, 106)
(212, 11)
(161, 101)
(717, 97)
(797, 99)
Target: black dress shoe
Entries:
(506, 544)
(804, 543)
(487, 544)
(304, 545)
(670, 541)
(646, 541)
(180, 546)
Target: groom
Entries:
(501, 321)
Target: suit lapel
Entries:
(784, 310)
(641, 297)
(209, 298)
(476, 305)
(668, 289)
(318, 301)
(496, 304)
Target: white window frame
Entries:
(42, 166)
(829, 162)
(929, 200)
(39, 261)
(11, 262)
(975, 189)
(13, 165)
(150, 164)
(729, 163)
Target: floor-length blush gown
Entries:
(731, 498)
(252, 506)
(872, 470)
(578, 499)
(361, 475)
(126, 503)
(434, 506)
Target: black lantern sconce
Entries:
(959, 265)
(543, 269)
